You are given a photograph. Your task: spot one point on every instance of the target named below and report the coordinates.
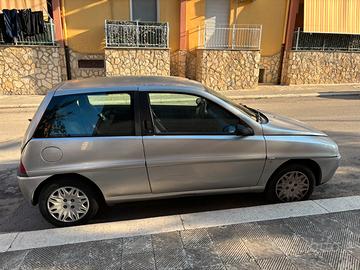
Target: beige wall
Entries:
(84, 21)
(195, 17)
(170, 12)
(271, 14)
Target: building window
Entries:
(144, 10)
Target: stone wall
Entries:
(30, 69)
(228, 69)
(271, 66)
(79, 73)
(314, 67)
(134, 61)
(178, 63)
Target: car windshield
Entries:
(249, 111)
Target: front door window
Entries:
(188, 114)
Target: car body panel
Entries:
(319, 149)
(281, 125)
(185, 163)
(115, 164)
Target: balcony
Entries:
(304, 41)
(237, 37)
(46, 38)
(136, 34)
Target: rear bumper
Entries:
(328, 167)
(28, 186)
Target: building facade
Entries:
(225, 44)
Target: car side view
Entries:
(110, 140)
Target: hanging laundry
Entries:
(10, 25)
(37, 22)
(25, 22)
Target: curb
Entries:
(21, 106)
(129, 228)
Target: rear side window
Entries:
(86, 115)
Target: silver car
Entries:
(110, 140)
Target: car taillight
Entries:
(21, 169)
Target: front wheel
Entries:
(67, 203)
(291, 183)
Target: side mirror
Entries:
(242, 130)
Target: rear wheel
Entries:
(291, 183)
(66, 203)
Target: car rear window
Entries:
(86, 115)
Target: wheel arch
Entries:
(311, 164)
(79, 177)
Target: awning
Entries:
(36, 5)
(332, 16)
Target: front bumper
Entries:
(28, 186)
(328, 167)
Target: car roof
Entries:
(128, 82)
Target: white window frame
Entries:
(157, 10)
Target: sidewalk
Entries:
(276, 91)
(329, 241)
(263, 91)
(311, 235)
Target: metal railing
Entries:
(46, 38)
(325, 42)
(136, 34)
(243, 37)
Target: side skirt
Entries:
(152, 196)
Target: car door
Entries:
(95, 135)
(190, 145)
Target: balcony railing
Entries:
(240, 37)
(46, 38)
(325, 42)
(136, 34)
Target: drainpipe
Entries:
(64, 33)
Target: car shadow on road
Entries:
(354, 95)
(176, 206)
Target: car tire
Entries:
(294, 182)
(70, 196)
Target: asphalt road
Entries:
(338, 116)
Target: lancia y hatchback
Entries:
(110, 140)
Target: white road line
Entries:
(111, 230)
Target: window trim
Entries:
(146, 116)
(157, 10)
(134, 99)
